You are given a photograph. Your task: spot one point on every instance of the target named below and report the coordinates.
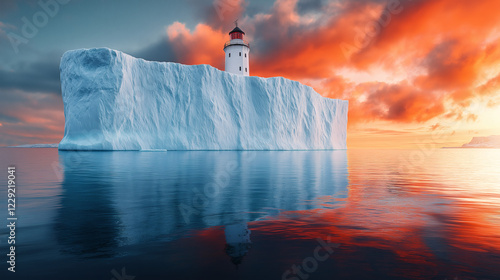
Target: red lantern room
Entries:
(236, 33)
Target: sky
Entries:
(416, 73)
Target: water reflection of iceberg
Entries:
(87, 221)
(116, 198)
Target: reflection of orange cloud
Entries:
(408, 236)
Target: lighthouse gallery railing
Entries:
(241, 42)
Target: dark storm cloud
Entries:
(159, 51)
(305, 6)
(7, 6)
(44, 76)
(8, 119)
(39, 76)
(220, 14)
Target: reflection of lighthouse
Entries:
(237, 241)
(237, 53)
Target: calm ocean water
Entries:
(356, 214)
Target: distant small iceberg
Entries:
(37, 146)
(492, 141)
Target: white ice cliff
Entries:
(113, 101)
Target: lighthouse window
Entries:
(240, 53)
(245, 55)
(240, 68)
(229, 54)
(246, 69)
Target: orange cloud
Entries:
(443, 51)
(43, 124)
(202, 46)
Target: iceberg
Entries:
(492, 141)
(113, 101)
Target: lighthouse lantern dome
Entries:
(236, 33)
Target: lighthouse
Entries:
(237, 53)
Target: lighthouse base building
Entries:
(237, 53)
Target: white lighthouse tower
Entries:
(237, 53)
